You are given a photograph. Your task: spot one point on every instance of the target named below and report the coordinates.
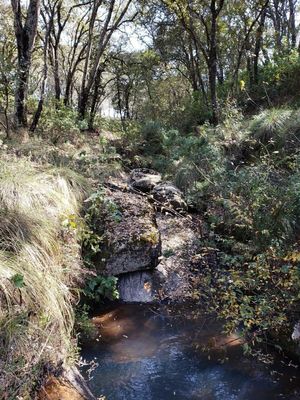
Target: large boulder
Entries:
(169, 196)
(144, 179)
(132, 240)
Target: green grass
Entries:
(269, 126)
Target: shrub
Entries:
(279, 78)
(257, 297)
(153, 137)
(101, 287)
(59, 123)
(253, 214)
(194, 161)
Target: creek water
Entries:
(143, 353)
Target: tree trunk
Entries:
(68, 90)
(258, 45)
(21, 92)
(55, 66)
(25, 32)
(212, 68)
(92, 66)
(95, 99)
(292, 24)
(39, 110)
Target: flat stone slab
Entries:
(136, 287)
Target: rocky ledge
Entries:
(132, 241)
(149, 239)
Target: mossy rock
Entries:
(132, 241)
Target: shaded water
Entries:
(149, 354)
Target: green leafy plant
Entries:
(101, 287)
(83, 324)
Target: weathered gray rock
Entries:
(144, 179)
(296, 332)
(132, 240)
(169, 196)
(136, 287)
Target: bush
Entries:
(193, 161)
(59, 123)
(153, 137)
(254, 220)
(99, 288)
(257, 297)
(279, 78)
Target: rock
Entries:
(58, 390)
(296, 332)
(136, 287)
(132, 240)
(73, 376)
(144, 179)
(70, 386)
(170, 196)
(173, 277)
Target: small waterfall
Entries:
(136, 287)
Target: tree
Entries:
(48, 27)
(7, 64)
(25, 33)
(200, 20)
(99, 36)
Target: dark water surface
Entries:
(149, 354)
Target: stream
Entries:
(145, 353)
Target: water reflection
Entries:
(151, 355)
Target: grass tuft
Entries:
(40, 269)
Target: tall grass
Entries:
(269, 127)
(40, 269)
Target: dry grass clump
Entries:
(40, 269)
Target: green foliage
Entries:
(194, 161)
(153, 137)
(18, 280)
(195, 111)
(83, 325)
(58, 122)
(253, 213)
(98, 287)
(252, 207)
(279, 77)
(258, 204)
(258, 296)
(92, 235)
(101, 287)
(269, 126)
